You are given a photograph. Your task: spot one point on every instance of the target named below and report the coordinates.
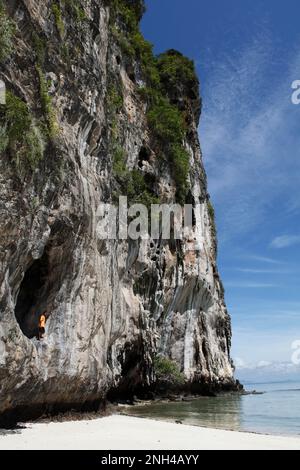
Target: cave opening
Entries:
(32, 296)
(144, 156)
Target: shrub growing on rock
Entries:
(167, 373)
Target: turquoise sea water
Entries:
(277, 411)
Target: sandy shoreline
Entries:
(119, 432)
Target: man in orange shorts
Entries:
(42, 326)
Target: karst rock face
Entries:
(112, 305)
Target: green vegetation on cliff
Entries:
(125, 17)
(76, 9)
(7, 32)
(40, 48)
(131, 182)
(68, 14)
(59, 22)
(166, 122)
(46, 101)
(211, 213)
(166, 75)
(168, 127)
(129, 11)
(114, 101)
(175, 70)
(167, 372)
(19, 134)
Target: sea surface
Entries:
(277, 411)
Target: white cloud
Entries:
(285, 241)
(249, 139)
(260, 271)
(240, 363)
(263, 259)
(250, 285)
(263, 364)
(272, 342)
(267, 371)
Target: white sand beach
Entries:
(128, 433)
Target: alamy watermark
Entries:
(160, 221)
(296, 94)
(296, 354)
(2, 92)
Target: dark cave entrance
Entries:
(144, 156)
(32, 297)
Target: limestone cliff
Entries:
(85, 99)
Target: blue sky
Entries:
(247, 55)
